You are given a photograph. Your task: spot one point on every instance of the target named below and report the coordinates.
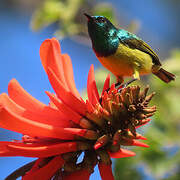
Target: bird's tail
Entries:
(164, 75)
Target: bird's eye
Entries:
(101, 20)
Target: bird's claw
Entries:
(124, 85)
(121, 86)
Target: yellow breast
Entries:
(123, 62)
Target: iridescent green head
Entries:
(103, 35)
(99, 23)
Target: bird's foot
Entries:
(124, 85)
(121, 86)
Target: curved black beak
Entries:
(88, 16)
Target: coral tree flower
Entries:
(58, 133)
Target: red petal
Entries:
(55, 118)
(51, 57)
(95, 98)
(147, 121)
(138, 143)
(90, 107)
(36, 165)
(92, 91)
(68, 73)
(47, 171)
(139, 136)
(12, 121)
(112, 88)
(97, 145)
(21, 97)
(85, 133)
(122, 153)
(51, 104)
(67, 97)
(80, 175)
(69, 113)
(105, 171)
(4, 151)
(41, 150)
(106, 84)
(24, 99)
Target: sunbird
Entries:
(123, 53)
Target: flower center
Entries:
(119, 114)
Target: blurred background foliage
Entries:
(67, 15)
(162, 159)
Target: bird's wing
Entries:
(142, 46)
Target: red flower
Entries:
(59, 132)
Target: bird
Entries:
(123, 53)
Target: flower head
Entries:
(58, 133)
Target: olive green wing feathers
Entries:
(142, 46)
